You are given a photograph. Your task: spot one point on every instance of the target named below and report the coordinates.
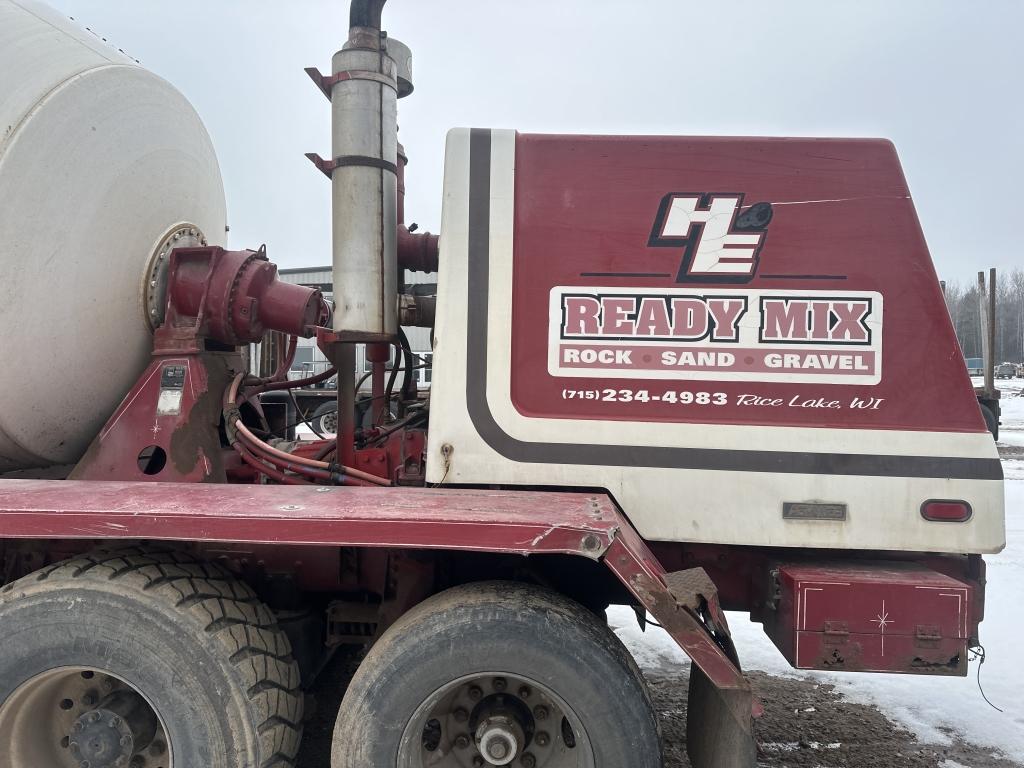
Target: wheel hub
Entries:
(494, 719)
(101, 739)
(74, 717)
(499, 739)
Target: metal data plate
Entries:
(804, 510)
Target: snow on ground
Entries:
(928, 706)
(1011, 406)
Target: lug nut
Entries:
(540, 713)
(528, 760)
(462, 741)
(461, 715)
(542, 739)
(475, 694)
(500, 684)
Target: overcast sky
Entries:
(941, 79)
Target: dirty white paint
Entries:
(99, 161)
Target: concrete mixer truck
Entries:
(672, 373)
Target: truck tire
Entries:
(130, 653)
(990, 420)
(325, 418)
(518, 672)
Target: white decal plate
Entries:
(727, 334)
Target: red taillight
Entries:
(945, 511)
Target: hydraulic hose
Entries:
(258, 450)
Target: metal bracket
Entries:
(327, 166)
(326, 82)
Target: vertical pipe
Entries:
(364, 104)
(345, 362)
(983, 322)
(378, 355)
(990, 382)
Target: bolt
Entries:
(528, 760)
(475, 694)
(461, 715)
(77, 726)
(591, 542)
(540, 713)
(462, 741)
(177, 236)
(108, 685)
(524, 692)
(500, 684)
(93, 717)
(497, 749)
(542, 739)
(125, 741)
(115, 721)
(152, 283)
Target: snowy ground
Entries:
(936, 709)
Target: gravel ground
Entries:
(805, 725)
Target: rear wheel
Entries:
(497, 674)
(143, 659)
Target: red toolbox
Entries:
(871, 617)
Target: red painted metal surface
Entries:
(516, 522)
(842, 221)
(165, 429)
(235, 297)
(341, 516)
(872, 617)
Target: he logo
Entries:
(721, 240)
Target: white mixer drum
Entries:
(100, 162)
